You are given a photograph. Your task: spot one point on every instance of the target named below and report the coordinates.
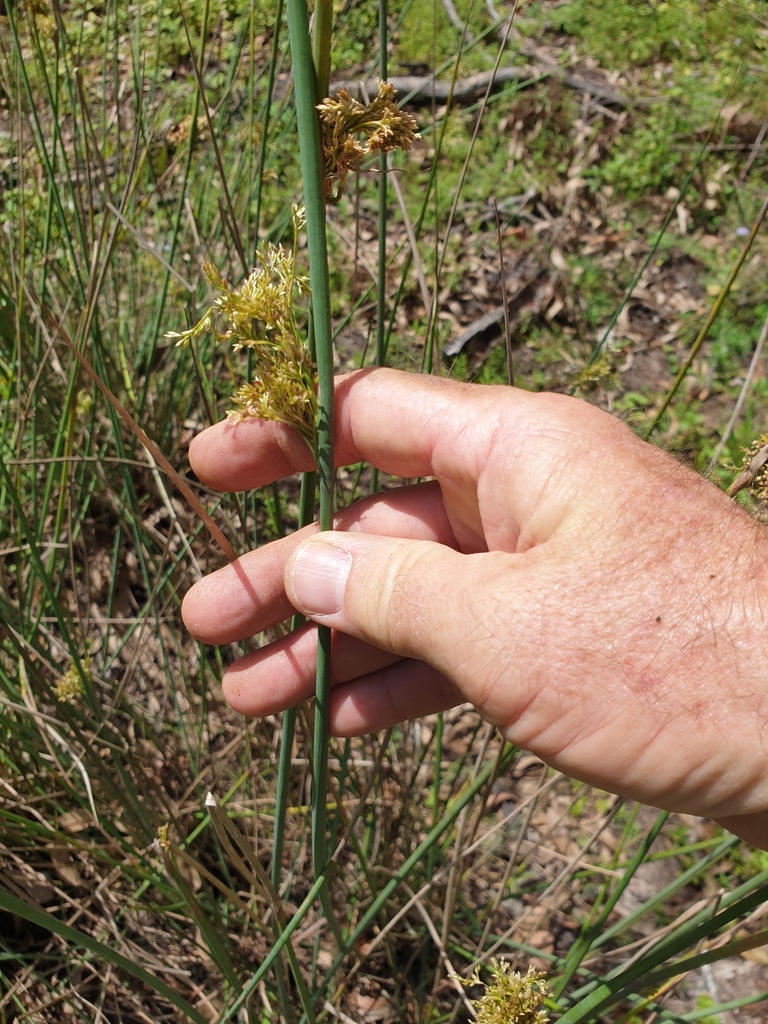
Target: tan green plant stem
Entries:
(713, 314)
(381, 284)
(265, 126)
(196, 66)
(307, 76)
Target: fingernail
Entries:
(320, 574)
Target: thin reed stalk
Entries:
(288, 730)
(381, 293)
(311, 63)
(383, 216)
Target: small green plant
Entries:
(745, 863)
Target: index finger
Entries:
(392, 419)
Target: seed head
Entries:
(351, 131)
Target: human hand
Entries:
(598, 602)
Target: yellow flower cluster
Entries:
(260, 314)
(70, 685)
(511, 998)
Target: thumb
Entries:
(417, 599)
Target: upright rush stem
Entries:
(322, 28)
(308, 79)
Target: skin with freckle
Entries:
(600, 604)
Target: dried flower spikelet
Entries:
(511, 998)
(353, 131)
(260, 314)
(70, 686)
(298, 217)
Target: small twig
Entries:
(500, 21)
(426, 89)
(493, 316)
(713, 314)
(514, 857)
(172, 514)
(450, 970)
